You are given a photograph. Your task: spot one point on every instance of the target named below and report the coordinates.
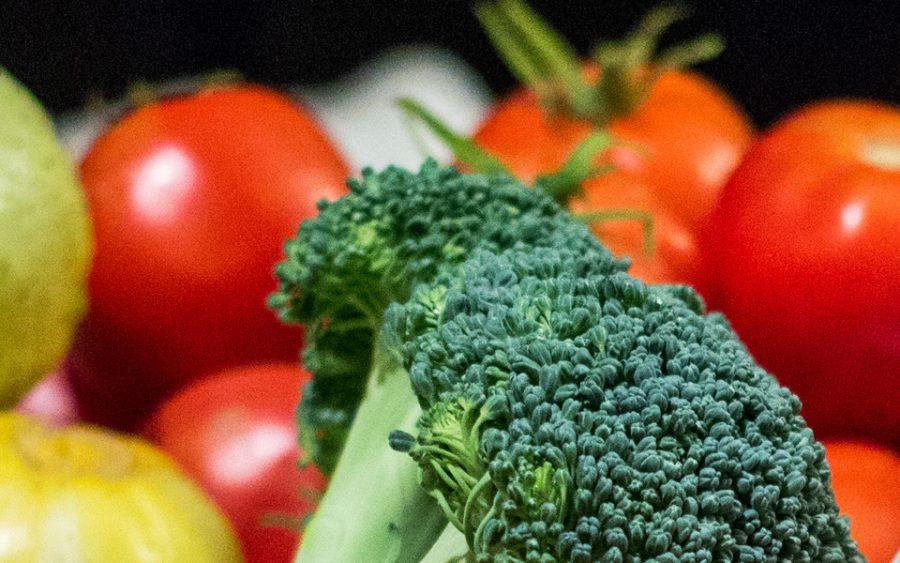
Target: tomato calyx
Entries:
(545, 62)
(563, 185)
(464, 149)
(143, 93)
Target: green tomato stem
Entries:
(465, 150)
(606, 215)
(580, 166)
(543, 60)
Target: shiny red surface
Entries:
(802, 256)
(191, 200)
(673, 155)
(234, 433)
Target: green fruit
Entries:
(45, 243)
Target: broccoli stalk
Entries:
(390, 518)
(450, 547)
(552, 408)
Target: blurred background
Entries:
(779, 54)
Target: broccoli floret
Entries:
(395, 230)
(604, 419)
(553, 407)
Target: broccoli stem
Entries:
(450, 547)
(374, 509)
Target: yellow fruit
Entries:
(45, 243)
(86, 494)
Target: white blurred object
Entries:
(358, 111)
(52, 400)
(77, 130)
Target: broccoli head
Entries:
(574, 414)
(553, 408)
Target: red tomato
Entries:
(234, 433)
(802, 256)
(191, 200)
(51, 401)
(866, 481)
(676, 151)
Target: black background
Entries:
(779, 54)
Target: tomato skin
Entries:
(676, 151)
(866, 481)
(191, 200)
(674, 256)
(235, 434)
(801, 255)
(86, 494)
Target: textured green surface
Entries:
(396, 229)
(44, 243)
(566, 411)
(573, 413)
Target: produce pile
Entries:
(563, 409)
(620, 326)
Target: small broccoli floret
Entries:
(395, 230)
(448, 453)
(622, 425)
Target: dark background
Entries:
(779, 54)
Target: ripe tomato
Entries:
(674, 153)
(674, 256)
(235, 434)
(802, 256)
(191, 200)
(678, 136)
(866, 481)
(85, 494)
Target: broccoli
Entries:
(552, 407)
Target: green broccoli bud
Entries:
(628, 426)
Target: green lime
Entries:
(45, 243)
